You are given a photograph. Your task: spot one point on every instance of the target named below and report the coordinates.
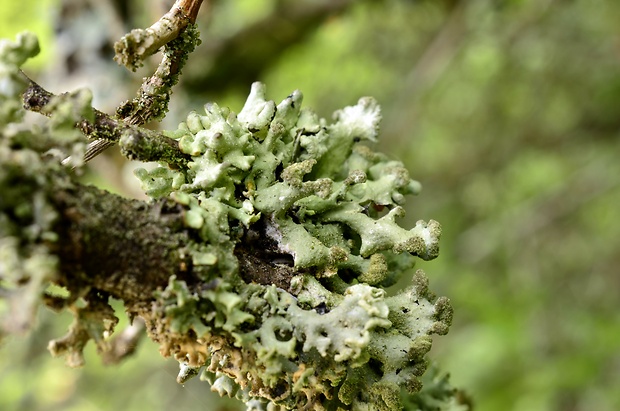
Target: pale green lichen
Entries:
(12, 56)
(316, 196)
(28, 222)
(437, 395)
(26, 265)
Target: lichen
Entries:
(437, 395)
(26, 266)
(287, 187)
(151, 102)
(29, 172)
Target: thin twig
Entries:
(151, 101)
(107, 131)
(139, 44)
(176, 32)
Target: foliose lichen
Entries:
(437, 395)
(25, 264)
(27, 219)
(309, 198)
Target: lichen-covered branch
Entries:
(176, 32)
(139, 44)
(151, 101)
(260, 263)
(105, 130)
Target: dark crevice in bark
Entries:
(261, 261)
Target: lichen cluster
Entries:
(26, 266)
(316, 208)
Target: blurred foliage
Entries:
(508, 112)
(32, 15)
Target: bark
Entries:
(126, 248)
(129, 248)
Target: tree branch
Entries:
(139, 44)
(129, 248)
(123, 247)
(136, 143)
(176, 31)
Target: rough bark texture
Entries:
(130, 248)
(126, 248)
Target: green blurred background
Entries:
(508, 113)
